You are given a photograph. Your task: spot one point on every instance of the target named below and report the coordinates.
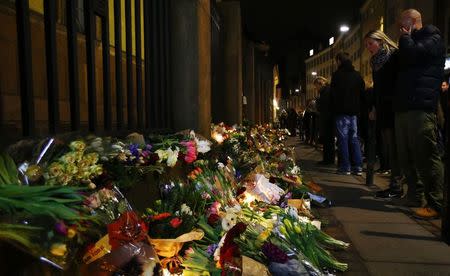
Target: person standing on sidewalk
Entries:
(346, 88)
(420, 71)
(326, 120)
(383, 64)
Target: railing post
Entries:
(52, 68)
(89, 19)
(72, 45)
(129, 54)
(107, 110)
(25, 71)
(118, 52)
(139, 103)
(147, 63)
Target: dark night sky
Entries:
(292, 27)
(281, 22)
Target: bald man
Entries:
(421, 59)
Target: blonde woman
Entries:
(326, 120)
(383, 51)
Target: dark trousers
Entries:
(419, 157)
(327, 126)
(389, 146)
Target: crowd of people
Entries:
(407, 103)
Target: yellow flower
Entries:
(122, 156)
(162, 154)
(83, 164)
(264, 235)
(77, 145)
(34, 172)
(71, 232)
(97, 170)
(55, 169)
(71, 169)
(64, 179)
(92, 158)
(58, 249)
(69, 158)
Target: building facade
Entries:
(323, 63)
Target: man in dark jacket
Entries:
(346, 89)
(326, 119)
(420, 70)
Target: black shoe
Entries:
(358, 172)
(383, 171)
(343, 172)
(389, 193)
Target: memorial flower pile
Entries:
(232, 205)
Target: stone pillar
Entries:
(232, 104)
(191, 65)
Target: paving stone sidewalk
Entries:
(385, 239)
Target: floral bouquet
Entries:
(172, 221)
(46, 222)
(75, 168)
(169, 232)
(124, 249)
(56, 163)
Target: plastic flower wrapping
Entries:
(235, 205)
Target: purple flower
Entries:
(145, 153)
(61, 228)
(134, 149)
(238, 174)
(211, 249)
(274, 253)
(283, 204)
(148, 147)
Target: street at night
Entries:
(224, 137)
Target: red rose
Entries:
(176, 222)
(153, 158)
(213, 219)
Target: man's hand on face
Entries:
(406, 26)
(406, 30)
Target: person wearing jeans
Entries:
(347, 136)
(346, 89)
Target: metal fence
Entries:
(151, 96)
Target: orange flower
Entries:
(161, 216)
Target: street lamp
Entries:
(314, 73)
(344, 28)
(331, 40)
(297, 90)
(311, 52)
